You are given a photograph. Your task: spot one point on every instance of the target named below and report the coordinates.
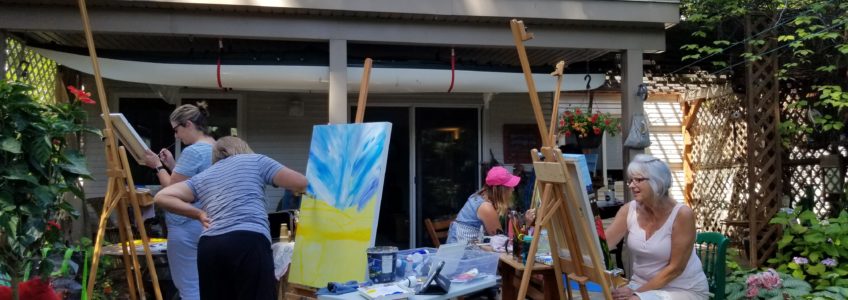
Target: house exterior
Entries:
(294, 64)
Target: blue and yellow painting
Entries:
(338, 215)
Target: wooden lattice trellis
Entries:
(26, 66)
(715, 162)
(804, 174)
(732, 155)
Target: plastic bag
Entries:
(282, 257)
(638, 137)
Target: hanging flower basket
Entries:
(587, 129)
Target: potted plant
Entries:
(588, 129)
(38, 169)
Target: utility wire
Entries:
(742, 41)
(781, 47)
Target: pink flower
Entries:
(753, 291)
(754, 280)
(770, 279)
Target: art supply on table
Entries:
(387, 291)
(382, 262)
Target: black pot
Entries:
(591, 140)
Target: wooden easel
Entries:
(297, 291)
(561, 212)
(120, 193)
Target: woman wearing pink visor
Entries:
(484, 208)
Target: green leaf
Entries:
(699, 33)
(10, 144)
(39, 150)
(798, 229)
(787, 37)
(798, 274)
(784, 241)
(816, 269)
(75, 163)
(828, 69)
(18, 174)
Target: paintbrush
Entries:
(163, 149)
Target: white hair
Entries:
(657, 172)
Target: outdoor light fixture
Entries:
(832, 174)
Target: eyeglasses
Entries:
(175, 127)
(636, 180)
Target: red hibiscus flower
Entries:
(53, 225)
(81, 95)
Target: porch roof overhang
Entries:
(571, 24)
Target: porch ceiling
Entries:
(402, 32)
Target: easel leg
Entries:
(534, 245)
(557, 267)
(139, 222)
(126, 245)
(101, 231)
(130, 246)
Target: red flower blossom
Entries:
(578, 111)
(567, 133)
(81, 95)
(561, 123)
(594, 118)
(596, 130)
(606, 121)
(600, 227)
(53, 225)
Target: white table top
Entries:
(456, 290)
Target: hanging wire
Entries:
(743, 40)
(781, 47)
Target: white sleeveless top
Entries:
(652, 255)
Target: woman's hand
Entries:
(530, 216)
(167, 158)
(151, 159)
(622, 293)
(204, 220)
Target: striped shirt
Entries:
(232, 193)
(193, 160)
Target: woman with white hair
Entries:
(660, 236)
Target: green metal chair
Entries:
(712, 249)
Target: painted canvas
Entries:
(339, 213)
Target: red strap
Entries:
(453, 69)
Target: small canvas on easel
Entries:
(129, 137)
(584, 215)
(338, 214)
